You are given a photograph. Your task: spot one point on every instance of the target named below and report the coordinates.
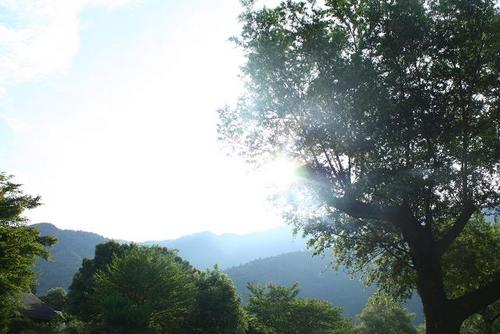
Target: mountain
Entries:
(203, 250)
(316, 279)
(261, 257)
(65, 257)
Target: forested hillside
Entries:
(65, 256)
(264, 257)
(203, 250)
(316, 279)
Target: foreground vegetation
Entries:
(128, 288)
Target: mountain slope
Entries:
(316, 279)
(271, 256)
(65, 257)
(203, 250)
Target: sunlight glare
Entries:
(280, 173)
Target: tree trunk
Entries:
(441, 315)
(441, 322)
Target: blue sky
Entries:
(108, 110)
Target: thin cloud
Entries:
(41, 38)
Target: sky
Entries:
(108, 111)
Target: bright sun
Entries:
(280, 172)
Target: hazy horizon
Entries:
(280, 227)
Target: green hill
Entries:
(269, 256)
(203, 250)
(66, 256)
(316, 279)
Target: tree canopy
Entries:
(382, 315)
(276, 309)
(392, 109)
(218, 308)
(20, 245)
(145, 290)
(56, 298)
(128, 288)
(83, 285)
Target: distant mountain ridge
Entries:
(262, 257)
(203, 250)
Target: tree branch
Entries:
(361, 210)
(399, 258)
(457, 228)
(477, 300)
(493, 318)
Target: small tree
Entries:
(56, 298)
(382, 315)
(392, 108)
(20, 246)
(276, 309)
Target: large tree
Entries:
(129, 288)
(392, 108)
(145, 290)
(82, 287)
(20, 245)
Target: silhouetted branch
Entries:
(457, 228)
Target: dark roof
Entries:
(35, 309)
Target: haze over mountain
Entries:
(316, 279)
(273, 256)
(203, 250)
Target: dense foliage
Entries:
(313, 274)
(218, 309)
(19, 247)
(145, 290)
(226, 250)
(138, 289)
(316, 279)
(485, 322)
(128, 288)
(276, 309)
(392, 109)
(56, 298)
(382, 315)
(82, 288)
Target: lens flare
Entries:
(281, 172)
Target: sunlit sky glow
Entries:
(108, 110)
